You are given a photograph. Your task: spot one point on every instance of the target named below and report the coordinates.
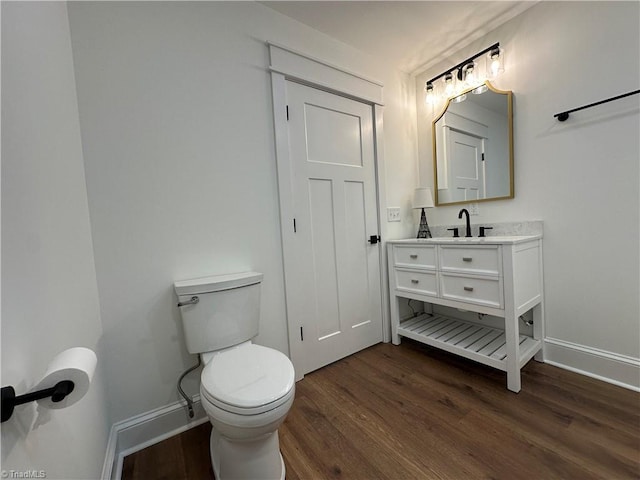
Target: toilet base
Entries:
(257, 459)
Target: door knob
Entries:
(373, 239)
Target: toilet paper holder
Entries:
(57, 393)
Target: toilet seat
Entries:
(248, 380)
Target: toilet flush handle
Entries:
(192, 301)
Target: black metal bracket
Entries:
(57, 393)
(562, 116)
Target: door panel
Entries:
(355, 265)
(323, 251)
(332, 134)
(335, 273)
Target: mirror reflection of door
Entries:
(466, 166)
(460, 165)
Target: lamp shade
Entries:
(422, 198)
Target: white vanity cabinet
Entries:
(499, 276)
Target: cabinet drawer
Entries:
(415, 256)
(424, 283)
(483, 291)
(477, 259)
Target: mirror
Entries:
(473, 147)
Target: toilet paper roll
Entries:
(76, 364)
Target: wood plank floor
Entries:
(412, 412)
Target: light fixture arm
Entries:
(459, 66)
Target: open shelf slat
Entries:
(483, 344)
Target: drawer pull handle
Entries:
(413, 256)
(413, 280)
(467, 259)
(468, 289)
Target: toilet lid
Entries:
(248, 376)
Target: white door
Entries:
(466, 166)
(333, 283)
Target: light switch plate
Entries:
(473, 209)
(393, 214)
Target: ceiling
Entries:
(411, 36)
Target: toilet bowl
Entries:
(246, 389)
(247, 392)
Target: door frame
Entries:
(288, 65)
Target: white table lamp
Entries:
(422, 198)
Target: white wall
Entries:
(580, 177)
(176, 115)
(50, 295)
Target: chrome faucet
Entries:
(465, 211)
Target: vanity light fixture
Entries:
(467, 74)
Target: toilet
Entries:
(246, 389)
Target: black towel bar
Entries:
(562, 116)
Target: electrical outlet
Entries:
(393, 214)
(473, 209)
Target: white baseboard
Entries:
(609, 367)
(142, 431)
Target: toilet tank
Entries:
(227, 311)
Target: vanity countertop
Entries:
(491, 240)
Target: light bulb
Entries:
(449, 84)
(471, 78)
(430, 97)
(495, 58)
(470, 74)
(495, 66)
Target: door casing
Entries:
(288, 65)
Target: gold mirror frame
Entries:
(509, 95)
